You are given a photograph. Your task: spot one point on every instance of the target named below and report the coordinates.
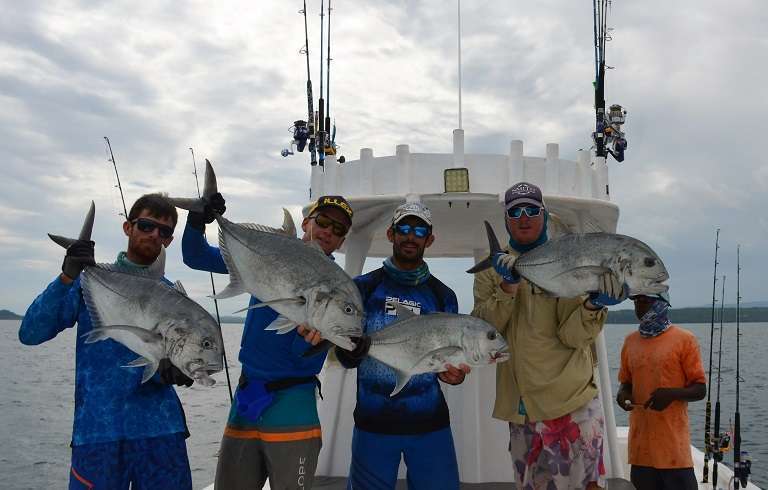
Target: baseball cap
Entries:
(332, 201)
(412, 209)
(523, 193)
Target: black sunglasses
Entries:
(146, 225)
(324, 221)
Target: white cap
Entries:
(412, 209)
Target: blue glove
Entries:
(503, 264)
(611, 291)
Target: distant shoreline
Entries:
(9, 315)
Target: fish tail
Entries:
(85, 231)
(209, 188)
(493, 245)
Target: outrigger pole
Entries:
(114, 164)
(708, 413)
(213, 289)
(328, 76)
(320, 102)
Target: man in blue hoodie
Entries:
(125, 432)
(273, 430)
(414, 424)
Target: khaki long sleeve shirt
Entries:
(551, 363)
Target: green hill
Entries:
(9, 315)
(696, 315)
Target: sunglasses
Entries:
(148, 226)
(530, 211)
(324, 221)
(419, 231)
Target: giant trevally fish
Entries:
(416, 344)
(153, 318)
(293, 277)
(571, 265)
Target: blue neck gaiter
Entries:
(409, 278)
(655, 321)
(520, 248)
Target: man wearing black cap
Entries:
(546, 391)
(273, 430)
(661, 371)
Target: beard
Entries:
(410, 257)
(145, 250)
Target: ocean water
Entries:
(37, 403)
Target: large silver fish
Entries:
(571, 265)
(293, 277)
(154, 319)
(417, 344)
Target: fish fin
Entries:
(435, 361)
(289, 227)
(493, 245)
(85, 231)
(265, 304)
(138, 362)
(402, 380)
(210, 187)
(403, 313)
(149, 371)
(102, 333)
(234, 288)
(180, 288)
(323, 346)
(189, 203)
(61, 240)
(263, 228)
(282, 325)
(157, 269)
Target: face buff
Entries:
(409, 278)
(655, 321)
(520, 248)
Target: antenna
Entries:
(459, 43)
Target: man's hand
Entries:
(311, 335)
(171, 375)
(454, 375)
(624, 399)
(79, 255)
(504, 265)
(610, 291)
(661, 398)
(214, 204)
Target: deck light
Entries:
(456, 179)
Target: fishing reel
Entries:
(743, 469)
(300, 138)
(721, 444)
(609, 134)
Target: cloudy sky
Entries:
(227, 78)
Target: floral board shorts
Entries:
(559, 454)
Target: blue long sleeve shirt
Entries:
(420, 407)
(264, 354)
(111, 402)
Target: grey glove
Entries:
(79, 255)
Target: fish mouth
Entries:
(498, 356)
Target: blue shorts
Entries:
(430, 460)
(157, 462)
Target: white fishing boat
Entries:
(462, 190)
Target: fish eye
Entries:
(492, 335)
(649, 262)
(207, 344)
(348, 309)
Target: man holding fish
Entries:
(546, 391)
(126, 431)
(273, 429)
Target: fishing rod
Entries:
(741, 468)
(114, 164)
(321, 102)
(328, 73)
(708, 411)
(213, 289)
(720, 442)
(310, 107)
